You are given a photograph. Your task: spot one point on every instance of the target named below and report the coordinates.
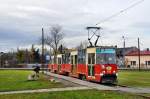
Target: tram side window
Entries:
(75, 59)
(52, 60)
(71, 59)
(81, 56)
(67, 57)
(59, 60)
(91, 58)
(63, 59)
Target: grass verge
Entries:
(134, 78)
(82, 94)
(11, 80)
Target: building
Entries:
(120, 54)
(132, 59)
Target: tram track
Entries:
(108, 87)
(102, 86)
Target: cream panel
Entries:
(91, 50)
(74, 52)
(59, 55)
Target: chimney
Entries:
(147, 49)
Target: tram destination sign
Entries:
(105, 50)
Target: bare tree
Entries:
(54, 39)
(83, 45)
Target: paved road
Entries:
(45, 90)
(101, 87)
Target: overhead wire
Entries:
(121, 11)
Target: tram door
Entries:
(52, 63)
(74, 63)
(91, 62)
(59, 63)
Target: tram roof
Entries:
(103, 47)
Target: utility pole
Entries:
(26, 56)
(1, 54)
(124, 45)
(139, 54)
(42, 50)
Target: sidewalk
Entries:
(45, 90)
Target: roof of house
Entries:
(122, 51)
(142, 53)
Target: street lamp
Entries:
(124, 45)
(42, 65)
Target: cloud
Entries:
(32, 9)
(142, 25)
(21, 20)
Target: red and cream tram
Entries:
(96, 64)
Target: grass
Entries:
(147, 95)
(84, 94)
(134, 78)
(11, 80)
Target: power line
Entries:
(121, 11)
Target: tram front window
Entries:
(105, 58)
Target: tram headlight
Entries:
(116, 74)
(103, 67)
(114, 71)
(101, 74)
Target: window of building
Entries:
(133, 62)
(147, 62)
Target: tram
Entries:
(96, 64)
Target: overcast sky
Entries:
(21, 21)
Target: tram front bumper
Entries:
(109, 78)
